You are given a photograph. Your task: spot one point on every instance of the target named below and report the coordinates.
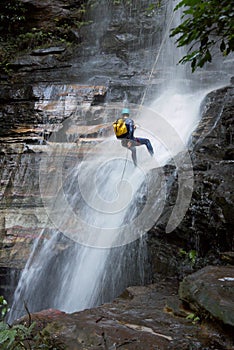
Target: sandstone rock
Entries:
(41, 12)
(150, 318)
(211, 289)
(48, 51)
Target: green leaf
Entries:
(192, 254)
(204, 23)
(8, 336)
(196, 319)
(182, 252)
(3, 326)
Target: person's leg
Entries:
(141, 141)
(124, 143)
(132, 148)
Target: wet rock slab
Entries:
(141, 318)
(211, 289)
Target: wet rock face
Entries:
(17, 107)
(115, 49)
(207, 227)
(211, 290)
(28, 111)
(52, 84)
(39, 13)
(22, 213)
(212, 156)
(8, 278)
(141, 318)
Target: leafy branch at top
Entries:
(205, 25)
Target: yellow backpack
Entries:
(120, 127)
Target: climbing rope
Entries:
(157, 57)
(151, 73)
(125, 163)
(149, 85)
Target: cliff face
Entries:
(212, 155)
(105, 62)
(205, 233)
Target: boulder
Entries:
(211, 289)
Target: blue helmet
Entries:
(125, 111)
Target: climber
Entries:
(124, 129)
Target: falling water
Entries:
(100, 209)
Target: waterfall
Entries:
(100, 206)
(100, 209)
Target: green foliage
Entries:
(123, 2)
(23, 42)
(193, 317)
(191, 256)
(206, 23)
(64, 26)
(3, 307)
(33, 39)
(12, 14)
(23, 337)
(153, 6)
(16, 337)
